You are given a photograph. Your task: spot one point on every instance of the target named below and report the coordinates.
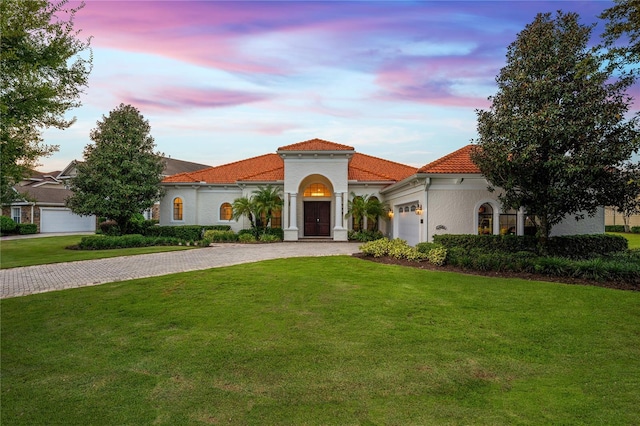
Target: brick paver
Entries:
(59, 276)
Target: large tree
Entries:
(556, 131)
(42, 75)
(120, 175)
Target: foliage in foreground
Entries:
(42, 76)
(361, 343)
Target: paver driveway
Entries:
(59, 276)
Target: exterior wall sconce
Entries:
(390, 214)
(419, 210)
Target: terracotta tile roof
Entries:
(365, 167)
(457, 162)
(270, 167)
(316, 145)
(265, 167)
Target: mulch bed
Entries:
(619, 285)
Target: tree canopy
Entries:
(42, 76)
(623, 22)
(556, 133)
(121, 174)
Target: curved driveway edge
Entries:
(60, 276)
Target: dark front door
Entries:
(317, 218)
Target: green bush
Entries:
(27, 228)
(109, 227)
(635, 229)
(614, 228)
(572, 246)
(504, 243)
(104, 242)
(587, 246)
(397, 248)
(217, 236)
(7, 225)
(246, 237)
(183, 232)
(437, 256)
(269, 238)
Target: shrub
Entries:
(109, 227)
(437, 256)
(614, 228)
(27, 228)
(635, 229)
(104, 242)
(587, 246)
(220, 236)
(276, 232)
(268, 238)
(7, 225)
(183, 232)
(246, 237)
(397, 248)
(504, 243)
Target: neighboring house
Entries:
(612, 217)
(46, 193)
(317, 178)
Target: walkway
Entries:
(60, 276)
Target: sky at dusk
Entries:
(224, 81)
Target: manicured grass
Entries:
(40, 251)
(634, 239)
(334, 340)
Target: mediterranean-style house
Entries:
(318, 178)
(46, 194)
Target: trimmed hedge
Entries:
(635, 229)
(27, 228)
(571, 246)
(183, 232)
(104, 242)
(364, 235)
(614, 228)
(217, 236)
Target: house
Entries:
(317, 178)
(46, 193)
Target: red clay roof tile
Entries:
(457, 162)
(316, 145)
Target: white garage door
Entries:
(409, 226)
(62, 220)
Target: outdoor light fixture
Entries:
(419, 210)
(390, 214)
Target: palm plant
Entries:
(361, 206)
(244, 206)
(267, 199)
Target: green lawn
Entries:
(334, 340)
(40, 251)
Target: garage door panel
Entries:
(409, 227)
(63, 220)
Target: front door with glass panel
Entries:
(317, 218)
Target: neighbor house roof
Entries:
(45, 195)
(270, 167)
(173, 166)
(455, 163)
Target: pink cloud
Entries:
(176, 98)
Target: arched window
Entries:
(317, 190)
(485, 219)
(226, 211)
(177, 208)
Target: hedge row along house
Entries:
(318, 178)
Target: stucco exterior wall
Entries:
(590, 225)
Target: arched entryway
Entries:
(316, 199)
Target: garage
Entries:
(408, 224)
(54, 219)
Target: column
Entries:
(339, 218)
(285, 211)
(293, 223)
